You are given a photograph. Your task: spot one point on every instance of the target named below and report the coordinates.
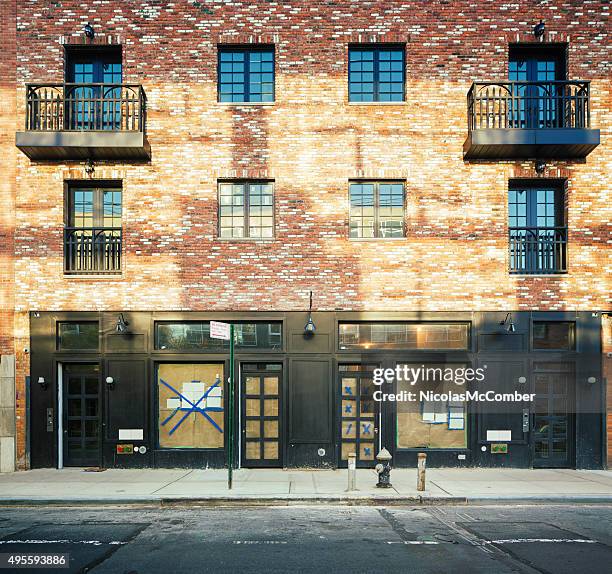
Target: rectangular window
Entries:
(554, 336)
(92, 234)
(438, 336)
(246, 210)
(432, 423)
(537, 234)
(190, 400)
(195, 336)
(376, 209)
(376, 74)
(77, 336)
(246, 74)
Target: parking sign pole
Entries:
(230, 422)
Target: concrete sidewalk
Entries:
(176, 486)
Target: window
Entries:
(376, 209)
(451, 336)
(431, 423)
(537, 235)
(554, 336)
(376, 74)
(93, 91)
(246, 75)
(77, 336)
(190, 400)
(92, 235)
(246, 210)
(535, 104)
(195, 336)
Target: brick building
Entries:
(439, 180)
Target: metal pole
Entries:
(230, 422)
(421, 465)
(352, 472)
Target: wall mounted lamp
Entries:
(42, 382)
(310, 328)
(538, 29)
(591, 380)
(110, 381)
(522, 380)
(122, 324)
(508, 323)
(89, 31)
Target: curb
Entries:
(225, 501)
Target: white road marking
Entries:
(417, 542)
(35, 541)
(541, 541)
(259, 542)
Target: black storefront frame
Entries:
(588, 429)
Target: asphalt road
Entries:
(436, 539)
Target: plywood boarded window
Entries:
(190, 405)
(431, 424)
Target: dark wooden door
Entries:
(553, 420)
(81, 419)
(262, 431)
(358, 418)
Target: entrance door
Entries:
(358, 414)
(553, 421)
(536, 101)
(81, 420)
(93, 89)
(261, 408)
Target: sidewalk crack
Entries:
(173, 481)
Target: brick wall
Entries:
(311, 142)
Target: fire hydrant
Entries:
(383, 468)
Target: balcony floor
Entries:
(558, 143)
(80, 145)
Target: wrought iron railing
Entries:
(538, 250)
(85, 107)
(529, 105)
(92, 250)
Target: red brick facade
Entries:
(311, 142)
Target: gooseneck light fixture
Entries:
(508, 323)
(89, 31)
(538, 29)
(310, 328)
(122, 324)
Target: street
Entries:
(475, 539)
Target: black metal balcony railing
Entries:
(529, 105)
(82, 107)
(538, 250)
(92, 250)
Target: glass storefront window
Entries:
(174, 336)
(554, 336)
(451, 336)
(190, 399)
(77, 336)
(431, 423)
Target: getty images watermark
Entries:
(457, 375)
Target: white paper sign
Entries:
(499, 435)
(219, 330)
(130, 434)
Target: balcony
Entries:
(538, 250)
(84, 121)
(92, 250)
(523, 120)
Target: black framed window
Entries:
(73, 336)
(246, 74)
(376, 74)
(93, 234)
(246, 209)
(376, 209)
(536, 227)
(195, 336)
(554, 336)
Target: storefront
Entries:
(143, 389)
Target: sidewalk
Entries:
(176, 486)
